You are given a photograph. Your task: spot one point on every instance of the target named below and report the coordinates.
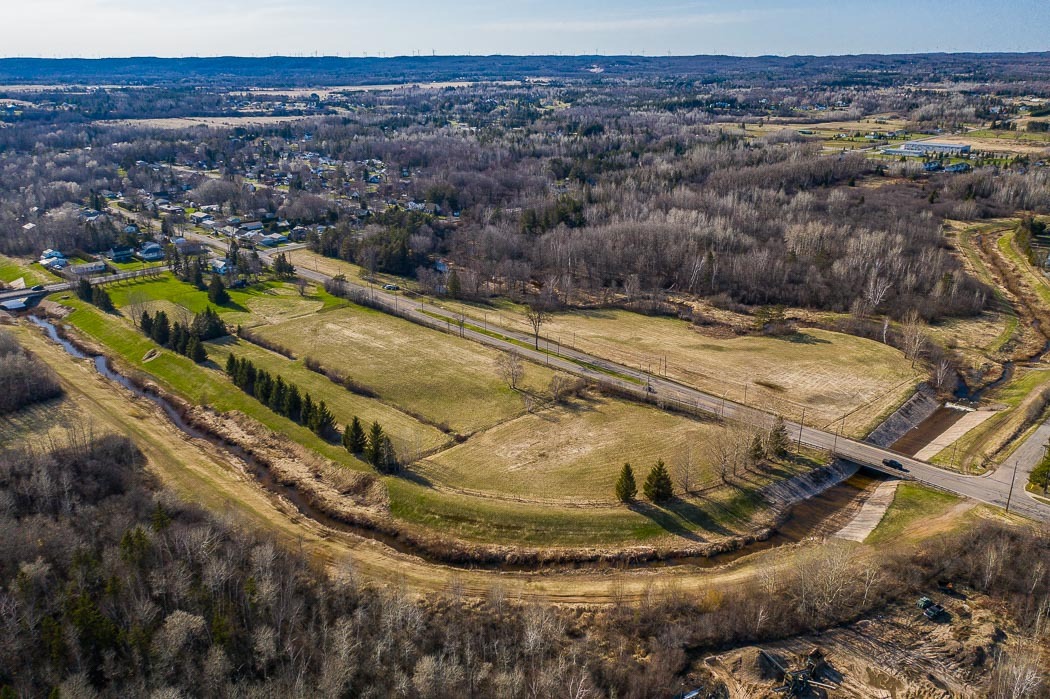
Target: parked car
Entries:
(893, 463)
(391, 287)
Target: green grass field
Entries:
(262, 303)
(445, 379)
(911, 505)
(12, 269)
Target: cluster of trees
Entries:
(188, 339)
(24, 379)
(375, 446)
(657, 486)
(283, 398)
(94, 294)
(114, 586)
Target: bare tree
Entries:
(559, 387)
(511, 368)
(537, 314)
(913, 336)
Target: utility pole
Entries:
(801, 425)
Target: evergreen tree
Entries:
(453, 286)
(756, 451)
(146, 324)
(231, 365)
(354, 437)
(197, 274)
(778, 442)
(374, 447)
(263, 387)
(321, 421)
(180, 338)
(387, 456)
(293, 403)
(277, 394)
(626, 488)
(84, 290)
(306, 413)
(161, 330)
(195, 350)
(658, 485)
(217, 293)
(100, 297)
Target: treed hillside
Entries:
(111, 586)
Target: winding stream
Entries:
(808, 518)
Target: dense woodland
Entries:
(109, 584)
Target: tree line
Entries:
(24, 379)
(280, 396)
(187, 340)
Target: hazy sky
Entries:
(93, 28)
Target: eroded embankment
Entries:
(340, 498)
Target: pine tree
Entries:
(277, 396)
(100, 297)
(778, 442)
(374, 448)
(626, 488)
(161, 331)
(354, 437)
(453, 286)
(263, 387)
(84, 290)
(757, 451)
(195, 350)
(146, 324)
(178, 338)
(231, 365)
(198, 275)
(658, 485)
(217, 293)
(306, 413)
(387, 456)
(321, 422)
(293, 403)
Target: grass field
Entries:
(410, 436)
(912, 505)
(425, 372)
(573, 452)
(829, 374)
(12, 269)
(266, 302)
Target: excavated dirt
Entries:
(898, 654)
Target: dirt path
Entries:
(202, 473)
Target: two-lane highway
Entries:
(992, 489)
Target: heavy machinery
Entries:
(797, 683)
(929, 608)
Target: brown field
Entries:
(574, 453)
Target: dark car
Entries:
(893, 463)
(239, 284)
(37, 287)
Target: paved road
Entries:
(8, 294)
(993, 489)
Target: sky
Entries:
(102, 28)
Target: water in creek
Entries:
(818, 516)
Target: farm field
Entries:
(574, 452)
(831, 375)
(443, 378)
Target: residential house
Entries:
(121, 253)
(199, 217)
(88, 268)
(151, 252)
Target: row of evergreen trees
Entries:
(183, 339)
(94, 294)
(375, 447)
(280, 396)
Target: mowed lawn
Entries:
(443, 378)
(266, 302)
(13, 269)
(830, 374)
(573, 452)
